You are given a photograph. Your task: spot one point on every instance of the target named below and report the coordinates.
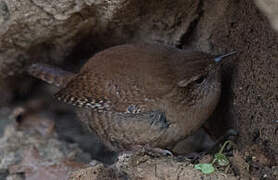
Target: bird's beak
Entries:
(219, 58)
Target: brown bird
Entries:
(140, 94)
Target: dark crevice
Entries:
(222, 119)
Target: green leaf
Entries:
(221, 159)
(206, 168)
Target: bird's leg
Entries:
(154, 151)
(159, 151)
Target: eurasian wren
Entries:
(140, 94)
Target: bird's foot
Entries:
(153, 151)
(158, 151)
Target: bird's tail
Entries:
(50, 74)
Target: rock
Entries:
(270, 9)
(38, 156)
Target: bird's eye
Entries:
(200, 79)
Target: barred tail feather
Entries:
(50, 74)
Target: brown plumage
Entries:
(141, 94)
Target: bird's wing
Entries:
(120, 92)
(131, 78)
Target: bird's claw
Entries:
(158, 151)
